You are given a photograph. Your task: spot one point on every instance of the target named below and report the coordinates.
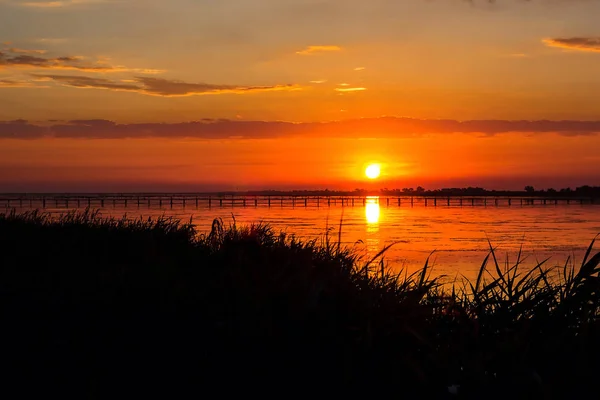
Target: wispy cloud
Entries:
(51, 41)
(318, 49)
(575, 43)
(350, 89)
(25, 51)
(11, 83)
(359, 68)
(319, 81)
(37, 59)
(88, 82)
(58, 3)
(160, 87)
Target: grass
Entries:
(95, 308)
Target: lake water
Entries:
(458, 235)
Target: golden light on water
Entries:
(372, 210)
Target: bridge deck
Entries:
(192, 200)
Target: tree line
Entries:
(581, 191)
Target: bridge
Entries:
(192, 200)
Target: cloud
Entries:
(383, 127)
(57, 3)
(25, 51)
(318, 81)
(158, 86)
(51, 41)
(36, 59)
(318, 49)
(350, 89)
(359, 68)
(575, 43)
(10, 83)
(165, 87)
(88, 82)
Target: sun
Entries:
(373, 171)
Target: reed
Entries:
(101, 307)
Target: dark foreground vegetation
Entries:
(96, 308)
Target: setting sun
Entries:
(373, 171)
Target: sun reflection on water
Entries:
(372, 217)
(372, 210)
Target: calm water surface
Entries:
(458, 235)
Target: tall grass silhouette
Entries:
(100, 307)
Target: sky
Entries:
(195, 95)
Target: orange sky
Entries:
(100, 89)
(509, 160)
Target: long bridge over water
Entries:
(192, 200)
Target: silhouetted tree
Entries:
(529, 189)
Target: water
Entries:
(457, 236)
